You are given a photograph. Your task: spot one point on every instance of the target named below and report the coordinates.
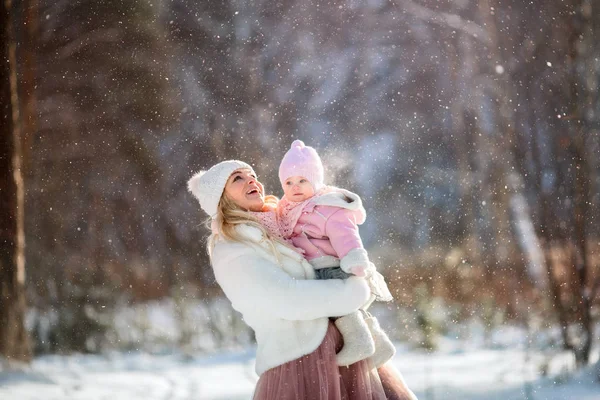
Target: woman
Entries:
(273, 287)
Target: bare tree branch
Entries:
(445, 19)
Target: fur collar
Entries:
(337, 197)
(253, 234)
(342, 198)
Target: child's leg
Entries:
(384, 348)
(358, 343)
(331, 273)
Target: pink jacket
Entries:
(326, 228)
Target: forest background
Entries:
(470, 128)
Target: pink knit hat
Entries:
(301, 160)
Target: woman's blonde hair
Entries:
(229, 214)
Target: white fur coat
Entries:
(280, 300)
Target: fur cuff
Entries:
(355, 258)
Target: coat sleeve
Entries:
(342, 231)
(254, 283)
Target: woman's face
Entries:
(245, 191)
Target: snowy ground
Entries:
(449, 374)
(464, 368)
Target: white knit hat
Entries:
(208, 186)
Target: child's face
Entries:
(298, 188)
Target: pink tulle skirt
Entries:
(316, 376)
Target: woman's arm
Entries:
(253, 282)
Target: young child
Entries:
(323, 222)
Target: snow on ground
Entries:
(449, 374)
(464, 367)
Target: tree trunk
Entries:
(584, 97)
(27, 82)
(14, 343)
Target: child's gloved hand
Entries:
(358, 271)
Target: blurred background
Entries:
(470, 128)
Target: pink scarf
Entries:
(289, 212)
(268, 219)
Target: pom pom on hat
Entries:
(301, 160)
(208, 186)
